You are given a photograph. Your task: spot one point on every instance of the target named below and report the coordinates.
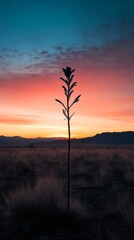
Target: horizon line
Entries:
(62, 137)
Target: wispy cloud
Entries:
(16, 121)
(117, 55)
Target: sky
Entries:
(40, 37)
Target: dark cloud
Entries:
(115, 55)
(44, 53)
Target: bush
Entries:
(42, 208)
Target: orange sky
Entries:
(28, 107)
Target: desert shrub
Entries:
(42, 208)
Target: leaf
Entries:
(70, 93)
(61, 103)
(65, 81)
(63, 110)
(72, 70)
(71, 78)
(71, 115)
(75, 100)
(67, 72)
(73, 85)
(65, 90)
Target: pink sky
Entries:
(105, 79)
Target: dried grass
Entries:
(42, 208)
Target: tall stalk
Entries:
(68, 158)
(68, 90)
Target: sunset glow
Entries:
(31, 63)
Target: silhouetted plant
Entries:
(68, 90)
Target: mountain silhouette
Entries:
(114, 138)
(106, 138)
(17, 141)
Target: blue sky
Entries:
(33, 26)
(29, 24)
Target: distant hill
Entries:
(17, 141)
(114, 138)
(107, 138)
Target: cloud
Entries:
(105, 79)
(117, 55)
(16, 121)
(124, 115)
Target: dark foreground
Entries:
(33, 194)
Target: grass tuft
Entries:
(42, 208)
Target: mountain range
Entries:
(106, 138)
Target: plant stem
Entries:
(68, 90)
(68, 159)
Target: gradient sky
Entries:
(40, 37)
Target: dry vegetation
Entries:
(33, 193)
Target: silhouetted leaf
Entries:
(64, 112)
(65, 90)
(71, 115)
(67, 72)
(71, 78)
(75, 100)
(66, 81)
(61, 103)
(70, 93)
(73, 85)
(72, 71)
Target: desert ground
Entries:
(33, 184)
